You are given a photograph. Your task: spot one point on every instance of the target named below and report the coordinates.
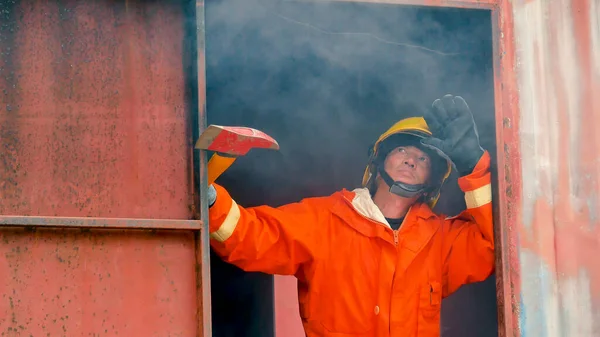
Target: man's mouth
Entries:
(406, 173)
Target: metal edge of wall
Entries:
(508, 168)
(83, 222)
(204, 315)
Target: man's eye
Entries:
(401, 149)
(423, 159)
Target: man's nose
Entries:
(410, 162)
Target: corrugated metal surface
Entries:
(557, 48)
(94, 122)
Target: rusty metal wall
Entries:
(95, 121)
(99, 283)
(554, 166)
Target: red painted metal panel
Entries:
(94, 119)
(95, 132)
(97, 283)
(287, 321)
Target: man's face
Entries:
(408, 164)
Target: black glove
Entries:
(454, 133)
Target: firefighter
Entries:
(376, 261)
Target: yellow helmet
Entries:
(414, 128)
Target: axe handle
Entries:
(217, 165)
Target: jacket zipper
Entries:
(395, 231)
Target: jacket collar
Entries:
(363, 203)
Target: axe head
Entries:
(234, 140)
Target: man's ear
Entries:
(378, 179)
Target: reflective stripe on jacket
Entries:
(357, 276)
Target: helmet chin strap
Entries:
(401, 189)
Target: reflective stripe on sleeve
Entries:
(228, 226)
(479, 197)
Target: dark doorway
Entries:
(326, 79)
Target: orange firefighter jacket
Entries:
(357, 276)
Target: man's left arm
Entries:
(468, 239)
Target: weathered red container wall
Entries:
(85, 131)
(552, 178)
(95, 122)
(94, 114)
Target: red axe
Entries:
(228, 143)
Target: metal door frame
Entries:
(508, 180)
